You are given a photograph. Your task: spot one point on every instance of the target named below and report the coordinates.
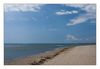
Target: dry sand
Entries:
(79, 55)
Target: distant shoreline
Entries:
(42, 58)
(56, 43)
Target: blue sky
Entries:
(49, 23)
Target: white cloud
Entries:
(87, 7)
(72, 37)
(22, 7)
(90, 14)
(77, 20)
(63, 12)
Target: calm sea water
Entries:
(12, 51)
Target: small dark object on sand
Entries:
(39, 62)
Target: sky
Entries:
(49, 23)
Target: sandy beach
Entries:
(78, 55)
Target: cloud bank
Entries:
(22, 7)
(90, 14)
(71, 37)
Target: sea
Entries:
(12, 51)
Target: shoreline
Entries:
(42, 58)
(36, 59)
(79, 55)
